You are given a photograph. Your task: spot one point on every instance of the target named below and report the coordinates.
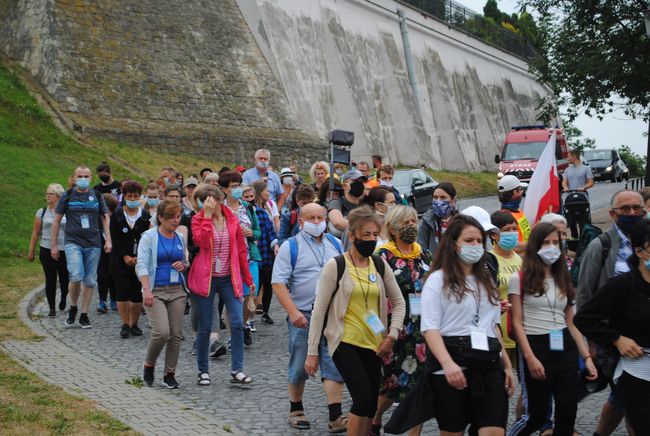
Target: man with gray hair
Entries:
(261, 171)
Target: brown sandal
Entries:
(298, 420)
(339, 425)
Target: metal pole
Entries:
(331, 191)
(410, 69)
(647, 157)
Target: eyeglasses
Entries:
(627, 208)
(50, 193)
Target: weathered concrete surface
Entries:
(185, 76)
(341, 64)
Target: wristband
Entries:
(588, 356)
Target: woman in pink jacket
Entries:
(219, 267)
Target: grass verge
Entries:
(468, 184)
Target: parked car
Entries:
(606, 164)
(416, 186)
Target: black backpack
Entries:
(589, 233)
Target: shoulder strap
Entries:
(67, 200)
(42, 215)
(606, 243)
(379, 265)
(293, 217)
(293, 251)
(334, 242)
(340, 269)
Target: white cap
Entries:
(509, 183)
(480, 215)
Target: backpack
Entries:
(589, 233)
(40, 230)
(293, 219)
(293, 247)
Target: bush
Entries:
(635, 163)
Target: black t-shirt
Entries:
(83, 212)
(343, 205)
(111, 188)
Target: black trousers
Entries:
(53, 268)
(361, 371)
(562, 380)
(266, 273)
(105, 281)
(636, 396)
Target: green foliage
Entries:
(575, 141)
(635, 163)
(595, 54)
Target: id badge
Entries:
(173, 276)
(374, 323)
(85, 223)
(479, 340)
(556, 338)
(217, 265)
(415, 302)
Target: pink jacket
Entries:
(200, 277)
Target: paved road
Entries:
(260, 408)
(599, 197)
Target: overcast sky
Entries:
(616, 129)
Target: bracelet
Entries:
(391, 338)
(588, 356)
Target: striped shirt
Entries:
(221, 252)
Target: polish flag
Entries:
(543, 194)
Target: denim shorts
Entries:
(82, 264)
(298, 339)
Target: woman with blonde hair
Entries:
(319, 172)
(51, 268)
(409, 262)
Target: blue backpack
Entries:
(293, 247)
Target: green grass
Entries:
(468, 184)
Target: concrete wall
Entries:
(341, 64)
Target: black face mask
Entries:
(356, 189)
(105, 178)
(365, 248)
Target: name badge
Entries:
(173, 276)
(374, 323)
(217, 265)
(415, 303)
(85, 223)
(556, 339)
(479, 340)
(372, 278)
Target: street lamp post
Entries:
(647, 158)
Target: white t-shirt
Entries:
(274, 209)
(452, 318)
(543, 313)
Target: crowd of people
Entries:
(435, 315)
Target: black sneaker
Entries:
(135, 330)
(62, 305)
(125, 331)
(217, 349)
(84, 321)
(266, 319)
(52, 313)
(248, 340)
(147, 375)
(72, 315)
(170, 381)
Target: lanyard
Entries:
(365, 294)
(477, 319)
(322, 257)
(548, 300)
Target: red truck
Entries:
(522, 148)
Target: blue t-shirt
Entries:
(170, 250)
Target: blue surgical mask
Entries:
(471, 254)
(132, 204)
(647, 264)
(153, 202)
(236, 193)
(82, 183)
(441, 208)
(261, 164)
(508, 240)
(199, 204)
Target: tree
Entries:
(635, 163)
(575, 141)
(594, 54)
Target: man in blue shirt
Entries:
(295, 288)
(261, 171)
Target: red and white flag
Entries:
(543, 194)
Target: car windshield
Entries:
(402, 178)
(523, 150)
(598, 155)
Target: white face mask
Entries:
(549, 254)
(387, 183)
(314, 230)
(287, 180)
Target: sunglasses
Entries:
(628, 208)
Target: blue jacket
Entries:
(148, 254)
(286, 229)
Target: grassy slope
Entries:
(34, 153)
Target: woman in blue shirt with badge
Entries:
(161, 260)
(542, 298)
(410, 263)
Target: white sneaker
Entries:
(251, 326)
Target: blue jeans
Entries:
(82, 264)
(204, 307)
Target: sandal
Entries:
(298, 420)
(340, 425)
(240, 378)
(204, 379)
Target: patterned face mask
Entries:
(408, 234)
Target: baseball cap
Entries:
(191, 181)
(509, 182)
(353, 175)
(480, 215)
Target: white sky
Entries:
(615, 129)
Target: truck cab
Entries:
(522, 148)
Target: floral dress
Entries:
(401, 367)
